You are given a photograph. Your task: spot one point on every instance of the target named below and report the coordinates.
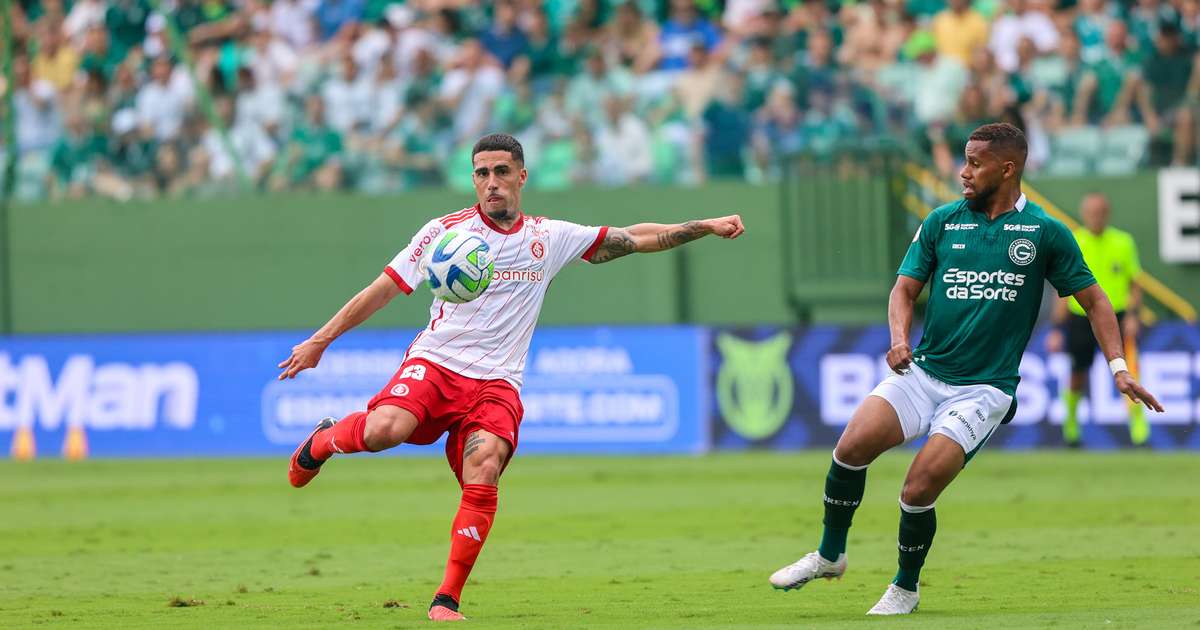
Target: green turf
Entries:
(1063, 540)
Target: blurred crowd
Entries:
(140, 98)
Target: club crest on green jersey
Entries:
(1022, 251)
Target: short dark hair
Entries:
(1003, 138)
(500, 142)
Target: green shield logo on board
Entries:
(754, 385)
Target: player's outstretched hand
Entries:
(304, 356)
(899, 357)
(727, 227)
(1138, 394)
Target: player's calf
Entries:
(484, 456)
(918, 524)
(468, 533)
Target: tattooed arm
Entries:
(655, 237)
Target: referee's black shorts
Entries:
(1081, 343)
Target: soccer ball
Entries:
(460, 267)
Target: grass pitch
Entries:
(1064, 540)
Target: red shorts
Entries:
(445, 401)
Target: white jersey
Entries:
(488, 337)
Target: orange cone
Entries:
(23, 446)
(75, 446)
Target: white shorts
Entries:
(967, 414)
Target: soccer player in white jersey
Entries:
(462, 373)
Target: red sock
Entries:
(470, 530)
(345, 437)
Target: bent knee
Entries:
(854, 454)
(919, 491)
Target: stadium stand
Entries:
(145, 98)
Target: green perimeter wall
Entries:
(289, 262)
(279, 262)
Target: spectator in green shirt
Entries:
(761, 74)
(515, 108)
(1167, 91)
(98, 53)
(547, 56)
(72, 160)
(411, 147)
(949, 140)
(315, 150)
(126, 24)
(1106, 92)
(124, 169)
(1057, 77)
(1146, 17)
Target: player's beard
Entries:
(507, 213)
(982, 199)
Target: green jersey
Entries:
(985, 288)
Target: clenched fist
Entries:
(727, 227)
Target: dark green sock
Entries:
(843, 492)
(916, 537)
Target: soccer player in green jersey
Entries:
(985, 258)
(1112, 256)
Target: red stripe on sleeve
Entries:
(398, 280)
(591, 251)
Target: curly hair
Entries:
(1004, 139)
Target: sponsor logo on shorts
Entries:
(1022, 251)
(960, 418)
(400, 389)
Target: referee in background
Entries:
(1112, 256)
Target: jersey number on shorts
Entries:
(415, 372)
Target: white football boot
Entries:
(896, 601)
(807, 569)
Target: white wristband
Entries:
(1118, 365)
